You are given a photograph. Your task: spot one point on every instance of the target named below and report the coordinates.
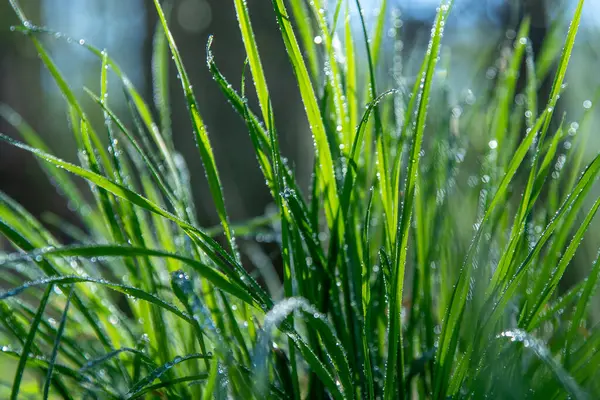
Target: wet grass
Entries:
(404, 275)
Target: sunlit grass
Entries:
(404, 274)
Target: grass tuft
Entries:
(403, 274)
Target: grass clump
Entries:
(402, 278)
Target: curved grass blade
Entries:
(167, 192)
(59, 333)
(70, 190)
(100, 360)
(259, 137)
(158, 372)
(357, 144)
(191, 380)
(129, 290)
(140, 105)
(212, 249)
(557, 85)
(201, 133)
(327, 177)
(50, 269)
(88, 137)
(214, 276)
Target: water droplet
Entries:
(318, 40)
(491, 73)
(587, 104)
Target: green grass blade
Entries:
(258, 75)
(27, 345)
(576, 195)
(91, 364)
(91, 316)
(307, 35)
(449, 335)
(207, 244)
(327, 178)
(395, 362)
(59, 334)
(167, 192)
(217, 278)
(352, 94)
(566, 258)
(129, 290)
(62, 179)
(158, 372)
(333, 76)
(555, 308)
(201, 134)
(193, 379)
(160, 77)
(42, 364)
(507, 87)
(276, 317)
(259, 137)
(535, 345)
(581, 307)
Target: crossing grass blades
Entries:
(402, 278)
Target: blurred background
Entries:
(475, 35)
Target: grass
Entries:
(403, 276)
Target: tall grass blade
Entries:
(202, 140)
